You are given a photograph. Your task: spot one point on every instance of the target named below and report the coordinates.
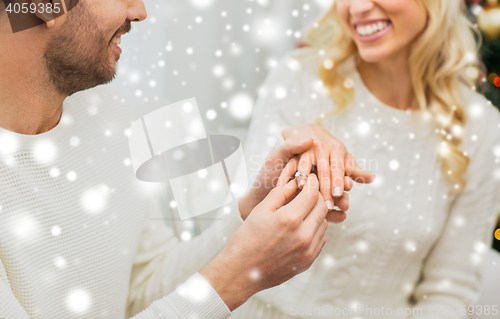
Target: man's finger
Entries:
(307, 199)
(358, 174)
(279, 196)
(317, 215)
(292, 147)
(289, 171)
(319, 247)
(319, 233)
(305, 165)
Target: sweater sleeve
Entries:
(452, 272)
(195, 298)
(163, 264)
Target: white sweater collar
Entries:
(12, 141)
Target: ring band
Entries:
(300, 174)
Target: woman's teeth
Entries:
(116, 40)
(372, 28)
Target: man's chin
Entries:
(107, 78)
(104, 78)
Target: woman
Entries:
(386, 79)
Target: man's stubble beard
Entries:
(77, 58)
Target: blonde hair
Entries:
(439, 58)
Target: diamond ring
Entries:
(297, 175)
(300, 174)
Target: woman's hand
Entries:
(329, 160)
(270, 172)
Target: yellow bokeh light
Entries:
(492, 77)
(497, 234)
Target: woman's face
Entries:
(381, 29)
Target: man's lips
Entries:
(122, 30)
(118, 36)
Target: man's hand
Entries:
(275, 243)
(270, 172)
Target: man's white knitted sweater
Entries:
(81, 237)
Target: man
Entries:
(77, 234)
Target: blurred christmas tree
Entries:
(486, 14)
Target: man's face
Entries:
(81, 54)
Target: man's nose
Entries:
(137, 11)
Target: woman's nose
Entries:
(359, 8)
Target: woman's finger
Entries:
(358, 174)
(347, 183)
(336, 216)
(305, 164)
(289, 171)
(342, 202)
(324, 177)
(337, 156)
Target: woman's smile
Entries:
(373, 31)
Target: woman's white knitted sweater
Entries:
(81, 237)
(405, 242)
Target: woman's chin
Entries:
(373, 55)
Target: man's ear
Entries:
(49, 10)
